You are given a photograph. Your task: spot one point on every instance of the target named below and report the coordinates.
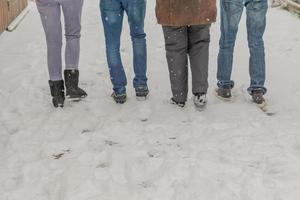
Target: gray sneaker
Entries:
(258, 98)
(224, 93)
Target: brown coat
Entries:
(185, 12)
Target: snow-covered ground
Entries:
(150, 150)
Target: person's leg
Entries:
(136, 10)
(50, 16)
(112, 13)
(198, 49)
(231, 11)
(256, 24)
(72, 10)
(176, 44)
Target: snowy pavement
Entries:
(150, 150)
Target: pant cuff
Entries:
(255, 88)
(226, 84)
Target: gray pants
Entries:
(50, 11)
(181, 43)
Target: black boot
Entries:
(180, 104)
(119, 98)
(141, 92)
(57, 89)
(72, 89)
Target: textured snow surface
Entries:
(151, 150)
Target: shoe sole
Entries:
(59, 106)
(200, 108)
(142, 93)
(119, 101)
(176, 104)
(141, 98)
(76, 96)
(262, 105)
(200, 105)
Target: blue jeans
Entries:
(112, 13)
(231, 11)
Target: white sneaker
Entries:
(200, 100)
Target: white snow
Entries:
(147, 150)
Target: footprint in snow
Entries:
(60, 155)
(145, 184)
(102, 165)
(110, 143)
(100, 73)
(154, 154)
(84, 131)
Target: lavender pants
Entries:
(50, 11)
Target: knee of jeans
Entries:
(71, 36)
(113, 61)
(227, 44)
(174, 45)
(256, 45)
(137, 36)
(113, 48)
(113, 51)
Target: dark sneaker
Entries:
(200, 99)
(258, 97)
(224, 93)
(72, 89)
(180, 104)
(57, 89)
(119, 98)
(141, 92)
